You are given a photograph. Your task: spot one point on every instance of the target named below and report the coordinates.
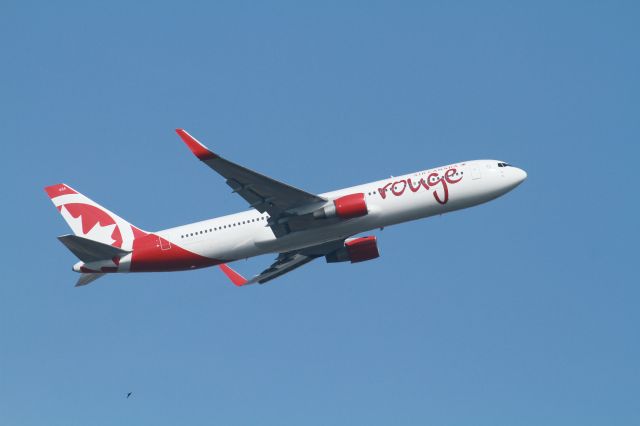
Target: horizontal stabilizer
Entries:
(89, 250)
(88, 278)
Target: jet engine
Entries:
(345, 207)
(355, 250)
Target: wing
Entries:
(285, 262)
(261, 192)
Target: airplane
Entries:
(296, 225)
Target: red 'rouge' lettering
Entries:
(383, 191)
(431, 183)
(450, 173)
(401, 191)
(445, 188)
(433, 175)
(439, 180)
(417, 187)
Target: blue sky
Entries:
(523, 311)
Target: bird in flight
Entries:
(129, 394)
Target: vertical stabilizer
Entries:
(88, 219)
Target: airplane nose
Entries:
(521, 175)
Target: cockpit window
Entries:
(504, 165)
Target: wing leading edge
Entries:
(261, 192)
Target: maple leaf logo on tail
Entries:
(89, 222)
(88, 219)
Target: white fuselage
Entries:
(389, 201)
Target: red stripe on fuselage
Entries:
(152, 253)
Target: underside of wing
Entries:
(284, 263)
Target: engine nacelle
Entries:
(345, 207)
(356, 250)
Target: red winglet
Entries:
(199, 150)
(54, 191)
(235, 277)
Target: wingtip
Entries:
(237, 279)
(198, 149)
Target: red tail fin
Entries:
(88, 219)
